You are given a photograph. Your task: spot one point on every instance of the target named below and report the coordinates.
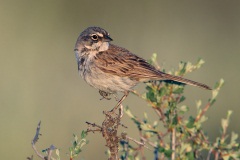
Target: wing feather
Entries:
(121, 62)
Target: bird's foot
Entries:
(105, 95)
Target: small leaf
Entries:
(198, 104)
(82, 143)
(74, 144)
(58, 154)
(229, 114)
(212, 101)
(214, 94)
(190, 155)
(155, 123)
(182, 68)
(225, 122)
(182, 99)
(128, 112)
(83, 134)
(234, 138)
(145, 116)
(200, 63)
(149, 88)
(219, 84)
(153, 58)
(179, 90)
(161, 149)
(190, 123)
(44, 150)
(162, 91)
(175, 120)
(168, 153)
(151, 96)
(75, 137)
(77, 151)
(203, 119)
(183, 109)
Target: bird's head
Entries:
(94, 38)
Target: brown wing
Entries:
(119, 61)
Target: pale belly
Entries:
(107, 82)
(98, 79)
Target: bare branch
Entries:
(35, 139)
(137, 142)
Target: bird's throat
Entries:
(103, 47)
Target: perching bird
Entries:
(110, 68)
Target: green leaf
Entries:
(161, 149)
(190, 123)
(179, 90)
(153, 58)
(190, 155)
(45, 150)
(175, 120)
(83, 134)
(212, 101)
(234, 138)
(162, 91)
(167, 113)
(149, 88)
(168, 153)
(200, 63)
(77, 151)
(219, 84)
(182, 99)
(75, 137)
(128, 112)
(183, 68)
(75, 144)
(151, 97)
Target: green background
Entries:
(38, 70)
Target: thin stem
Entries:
(209, 154)
(173, 143)
(203, 112)
(36, 151)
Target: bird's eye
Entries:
(94, 37)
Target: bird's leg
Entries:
(115, 96)
(120, 101)
(104, 95)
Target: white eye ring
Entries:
(94, 37)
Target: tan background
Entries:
(38, 71)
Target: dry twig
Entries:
(35, 139)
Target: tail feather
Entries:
(183, 80)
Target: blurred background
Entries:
(38, 71)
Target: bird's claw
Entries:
(104, 95)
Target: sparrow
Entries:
(111, 69)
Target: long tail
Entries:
(166, 76)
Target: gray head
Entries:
(93, 38)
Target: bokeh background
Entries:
(38, 71)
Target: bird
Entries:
(111, 69)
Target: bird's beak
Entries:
(107, 39)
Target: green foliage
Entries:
(77, 145)
(173, 135)
(180, 136)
